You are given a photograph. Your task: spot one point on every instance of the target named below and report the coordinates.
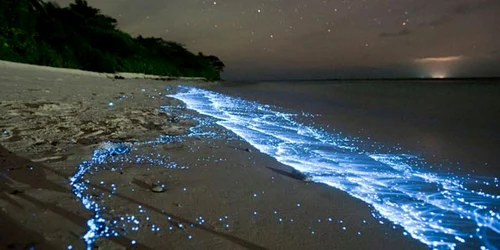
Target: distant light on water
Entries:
(439, 67)
(442, 210)
(439, 76)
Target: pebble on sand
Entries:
(158, 188)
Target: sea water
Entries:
(442, 205)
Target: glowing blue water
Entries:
(97, 225)
(101, 225)
(442, 211)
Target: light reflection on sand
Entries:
(444, 211)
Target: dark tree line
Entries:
(79, 36)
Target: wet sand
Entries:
(224, 193)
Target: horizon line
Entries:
(372, 79)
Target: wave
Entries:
(443, 211)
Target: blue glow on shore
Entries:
(102, 224)
(97, 225)
(444, 211)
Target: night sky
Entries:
(303, 39)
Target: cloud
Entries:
(403, 32)
(439, 21)
(438, 59)
(463, 9)
(467, 8)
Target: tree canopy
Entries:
(80, 36)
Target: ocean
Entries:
(453, 123)
(421, 154)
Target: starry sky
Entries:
(308, 39)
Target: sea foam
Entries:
(442, 210)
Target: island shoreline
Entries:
(223, 178)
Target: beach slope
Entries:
(217, 192)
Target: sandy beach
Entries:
(218, 193)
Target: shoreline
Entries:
(118, 75)
(222, 178)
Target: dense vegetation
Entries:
(79, 36)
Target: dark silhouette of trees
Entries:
(216, 63)
(79, 36)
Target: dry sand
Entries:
(51, 120)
